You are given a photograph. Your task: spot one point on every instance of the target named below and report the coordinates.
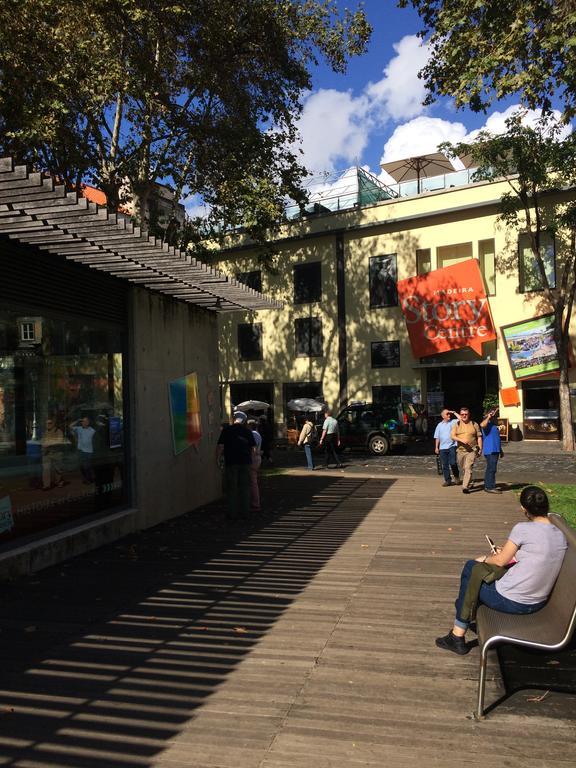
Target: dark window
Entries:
(383, 276)
(251, 279)
(423, 261)
(390, 396)
(385, 354)
(307, 282)
(308, 333)
(530, 277)
(250, 341)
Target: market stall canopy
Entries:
(37, 210)
(306, 405)
(252, 405)
(417, 168)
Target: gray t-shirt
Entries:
(541, 549)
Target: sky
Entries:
(374, 112)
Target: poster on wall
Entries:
(185, 412)
(447, 309)
(531, 347)
(383, 276)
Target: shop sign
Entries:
(531, 348)
(447, 309)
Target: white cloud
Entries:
(195, 206)
(335, 126)
(496, 122)
(419, 137)
(334, 129)
(400, 93)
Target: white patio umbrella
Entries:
(417, 168)
(306, 404)
(252, 405)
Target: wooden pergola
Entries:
(36, 210)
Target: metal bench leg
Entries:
(479, 714)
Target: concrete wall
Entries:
(169, 340)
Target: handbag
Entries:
(439, 468)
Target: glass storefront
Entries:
(62, 452)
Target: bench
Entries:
(549, 629)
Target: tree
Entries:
(202, 94)
(481, 51)
(539, 169)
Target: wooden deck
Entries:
(306, 642)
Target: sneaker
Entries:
(452, 643)
(445, 484)
(465, 490)
(492, 490)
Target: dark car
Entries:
(376, 427)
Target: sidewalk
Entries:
(302, 640)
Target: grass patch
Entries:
(271, 471)
(562, 499)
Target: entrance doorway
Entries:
(463, 385)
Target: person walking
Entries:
(445, 447)
(255, 466)
(492, 449)
(52, 443)
(307, 439)
(331, 439)
(468, 437)
(236, 443)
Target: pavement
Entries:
(527, 461)
(301, 638)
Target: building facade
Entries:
(109, 410)
(342, 334)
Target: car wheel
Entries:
(379, 445)
(421, 425)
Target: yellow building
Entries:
(342, 335)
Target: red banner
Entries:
(446, 309)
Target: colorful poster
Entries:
(531, 347)
(185, 412)
(447, 309)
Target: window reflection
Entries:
(61, 421)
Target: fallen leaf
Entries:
(31, 628)
(364, 546)
(553, 661)
(240, 630)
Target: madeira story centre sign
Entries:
(447, 309)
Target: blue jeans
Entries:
(308, 452)
(490, 474)
(490, 596)
(448, 459)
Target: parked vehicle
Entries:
(379, 428)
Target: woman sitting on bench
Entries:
(532, 556)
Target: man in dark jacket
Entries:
(236, 443)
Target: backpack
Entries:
(313, 436)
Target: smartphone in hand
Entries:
(491, 544)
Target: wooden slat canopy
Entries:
(34, 209)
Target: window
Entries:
(307, 282)
(448, 255)
(423, 261)
(383, 276)
(61, 420)
(530, 277)
(385, 354)
(250, 341)
(486, 254)
(251, 279)
(390, 396)
(308, 333)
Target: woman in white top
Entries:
(536, 548)
(255, 467)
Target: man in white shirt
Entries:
(330, 439)
(445, 447)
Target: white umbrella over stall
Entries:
(306, 404)
(252, 405)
